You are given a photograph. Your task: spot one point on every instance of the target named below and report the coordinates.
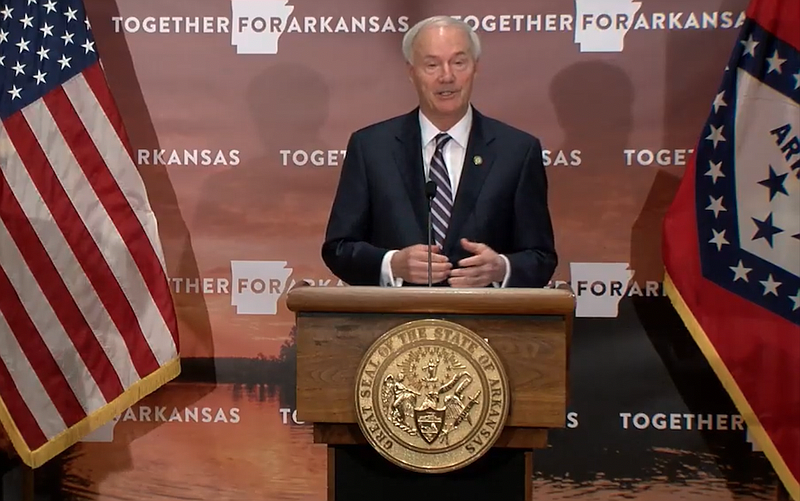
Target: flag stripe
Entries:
(117, 147)
(90, 232)
(85, 93)
(112, 143)
(96, 80)
(81, 168)
(47, 422)
(21, 415)
(81, 242)
(33, 351)
(128, 196)
(18, 235)
(44, 321)
(74, 279)
(19, 240)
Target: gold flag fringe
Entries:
(729, 383)
(90, 423)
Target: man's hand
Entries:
(481, 269)
(411, 264)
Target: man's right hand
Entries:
(411, 264)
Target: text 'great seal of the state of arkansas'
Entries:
(431, 396)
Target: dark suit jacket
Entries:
(380, 202)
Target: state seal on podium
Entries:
(431, 396)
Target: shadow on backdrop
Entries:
(593, 101)
(261, 197)
(246, 206)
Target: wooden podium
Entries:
(529, 329)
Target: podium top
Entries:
(483, 301)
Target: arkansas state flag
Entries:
(732, 234)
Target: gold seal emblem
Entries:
(431, 396)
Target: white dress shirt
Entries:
(454, 151)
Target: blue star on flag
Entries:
(766, 229)
(774, 183)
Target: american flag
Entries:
(732, 235)
(87, 322)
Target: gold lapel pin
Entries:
(477, 160)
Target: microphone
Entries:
(430, 192)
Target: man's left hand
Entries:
(481, 269)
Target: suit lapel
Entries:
(408, 156)
(477, 162)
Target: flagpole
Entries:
(781, 494)
(28, 483)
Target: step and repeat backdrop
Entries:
(239, 130)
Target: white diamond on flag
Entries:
(767, 190)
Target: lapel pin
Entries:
(477, 160)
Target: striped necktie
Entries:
(442, 205)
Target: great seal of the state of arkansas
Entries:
(431, 396)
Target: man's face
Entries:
(442, 71)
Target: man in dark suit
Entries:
(491, 222)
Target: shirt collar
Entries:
(459, 132)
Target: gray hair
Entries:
(411, 35)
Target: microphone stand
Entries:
(430, 192)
